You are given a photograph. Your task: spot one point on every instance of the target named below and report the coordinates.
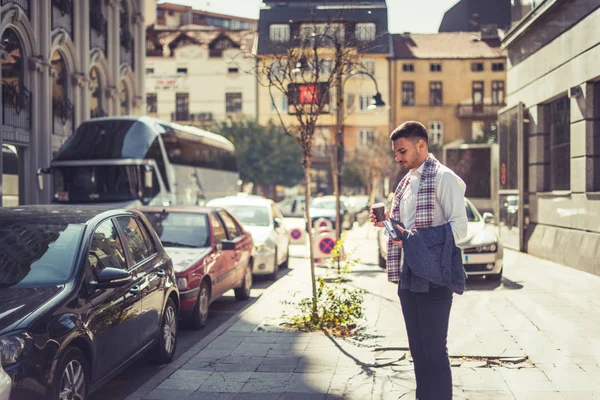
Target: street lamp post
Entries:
(338, 153)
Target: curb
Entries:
(170, 368)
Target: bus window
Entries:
(154, 153)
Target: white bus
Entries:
(137, 161)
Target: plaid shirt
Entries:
(424, 213)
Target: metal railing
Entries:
(16, 105)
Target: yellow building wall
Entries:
(456, 77)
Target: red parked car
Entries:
(211, 254)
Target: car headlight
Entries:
(182, 283)
(260, 247)
(487, 248)
(12, 347)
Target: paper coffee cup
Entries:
(379, 211)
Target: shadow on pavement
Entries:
(479, 283)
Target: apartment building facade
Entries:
(63, 62)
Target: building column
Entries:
(139, 99)
(582, 126)
(112, 82)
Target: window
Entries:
(233, 102)
(137, 246)
(281, 104)
(279, 33)
(325, 34)
(218, 229)
(408, 67)
(182, 70)
(498, 92)
(363, 102)
(182, 107)
(106, 250)
(435, 94)
(435, 67)
(436, 133)
(151, 103)
(559, 122)
(365, 32)
(477, 96)
(233, 70)
(497, 67)
(232, 230)
(477, 67)
(408, 93)
(366, 137)
(596, 139)
(368, 66)
(149, 70)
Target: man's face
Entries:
(408, 152)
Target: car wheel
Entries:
(243, 293)
(494, 277)
(286, 263)
(167, 336)
(201, 308)
(71, 379)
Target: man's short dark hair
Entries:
(410, 130)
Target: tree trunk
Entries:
(307, 181)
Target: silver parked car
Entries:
(263, 219)
(481, 249)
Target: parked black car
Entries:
(83, 291)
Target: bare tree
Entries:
(306, 72)
(376, 162)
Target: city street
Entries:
(534, 335)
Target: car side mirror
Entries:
(228, 245)
(112, 278)
(277, 222)
(488, 218)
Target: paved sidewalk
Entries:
(536, 335)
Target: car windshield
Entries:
(181, 229)
(34, 254)
(250, 215)
(472, 216)
(323, 203)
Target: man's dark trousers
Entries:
(426, 316)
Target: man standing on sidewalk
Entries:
(430, 195)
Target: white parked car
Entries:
(481, 249)
(5, 385)
(263, 219)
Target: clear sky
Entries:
(416, 16)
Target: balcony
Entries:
(474, 111)
(16, 104)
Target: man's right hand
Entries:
(374, 221)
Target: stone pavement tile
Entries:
(592, 370)
(168, 394)
(570, 378)
(489, 395)
(185, 380)
(538, 395)
(550, 356)
(265, 382)
(590, 361)
(212, 396)
(226, 382)
(581, 395)
(285, 349)
(527, 379)
(257, 350)
(482, 379)
(278, 364)
(351, 384)
(246, 366)
(302, 396)
(310, 382)
(224, 344)
(256, 396)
